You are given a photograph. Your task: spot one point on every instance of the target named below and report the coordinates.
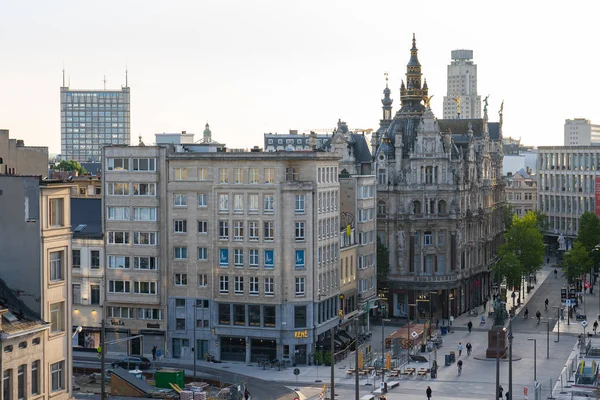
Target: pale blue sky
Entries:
(250, 67)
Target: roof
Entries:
(524, 173)
(362, 154)
(86, 218)
(92, 167)
(16, 316)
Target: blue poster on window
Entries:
(269, 260)
(224, 257)
(299, 258)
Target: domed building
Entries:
(439, 203)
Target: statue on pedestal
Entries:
(499, 312)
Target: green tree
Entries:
(509, 269)
(524, 239)
(509, 214)
(576, 262)
(589, 231)
(542, 221)
(65, 165)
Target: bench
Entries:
(377, 392)
(349, 373)
(406, 373)
(368, 397)
(422, 373)
(394, 374)
(393, 384)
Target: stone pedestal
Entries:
(497, 342)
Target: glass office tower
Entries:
(90, 119)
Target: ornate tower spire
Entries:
(387, 101)
(414, 92)
(207, 134)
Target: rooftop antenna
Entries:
(126, 85)
(104, 82)
(63, 76)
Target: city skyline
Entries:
(270, 67)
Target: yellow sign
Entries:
(388, 361)
(301, 334)
(360, 360)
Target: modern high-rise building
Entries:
(581, 132)
(462, 100)
(91, 119)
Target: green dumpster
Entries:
(165, 376)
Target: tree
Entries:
(542, 221)
(65, 165)
(589, 231)
(524, 239)
(509, 269)
(508, 214)
(576, 262)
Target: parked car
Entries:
(132, 363)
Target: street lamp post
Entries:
(534, 359)
(356, 347)
(547, 338)
(510, 340)
(558, 322)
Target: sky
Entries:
(252, 67)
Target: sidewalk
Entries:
(590, 306)
(461, 321)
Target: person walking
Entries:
(459, 348)
(469, 347)
(595, 326)
(470, 326)
(500, 390)
(507, 395)
(428, 393)
(154, 353)
(246, 394)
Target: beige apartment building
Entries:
(36, 242)
(521, 192)
(18, 159)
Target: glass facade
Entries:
(91, 119)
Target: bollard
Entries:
(551, 397)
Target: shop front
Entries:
(119, 335)
(233, 348)
(263, 349)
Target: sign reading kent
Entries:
(224, 257)
(300, 334)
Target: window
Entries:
(145, 287)
(224, 314)
(300, 317)
(180, 174)
(180, 200)
(223, 175)
(144, 213)
(238, 286)
(269, 175)
(118, 262)
(118, 237)
(117, 164)
(117, 189)
(300, 286)
(428, 239)
(119, 287)
(119, 312)
(269, 259)
(180, 303)
(202, 174)
(180, 279)
(57, 376)
(253, 256)
(238, 202)
(180, 324)
(94, 294)
(223, 284)
(269, 231)
(300, 199)
(300, 231)
(238, 230)
(300, 264)
(180, 226)
(117, 213)
(202, 200)
(23, 345)
(203, 227)
(56, 317)
(36, 341)
(292, 174)
(76, 258)
(238, 257)
(6, 385)
(223, 202)
(269, 287)
(202, 280)
(223, 230)
(382, 177)
(180, 253)
(239, 314)
(253, 231)
(254, 315)
(253, 285)
(269, 203)
(56, 266)
(224, 257)
(35, 377)
(253, 175)
(76, 290)
(144, 164)
(145, 238)
(95, 259)
(149, 313)
(202, 253)
(238, 175)
(144, 189)
(56, 212)
(381, 208)
(253, 203)
(270, 316)
(441, 239)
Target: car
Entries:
(132, 363)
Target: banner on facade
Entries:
(224, 257)
(269, 259)
(597, 197)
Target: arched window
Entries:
(416, 207)
(381, 208)
(442, 207)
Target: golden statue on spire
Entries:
(427, 100)
(457, 101)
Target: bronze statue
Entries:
(485, 102)
(501, 108)
(427, 100)
(499, 312)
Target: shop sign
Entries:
(153, 326)
(301, 335)
(117, 322)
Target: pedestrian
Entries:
(500, 390)
(469, 347)
(595, 326)
(154, 353)
(470, 326)
(437, 323)
(507, 395)
(459, 348)
(548, 260)
(246, 394)
(428, 393)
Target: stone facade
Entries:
(18, 159)
(521, 192)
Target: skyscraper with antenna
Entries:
(93, 118)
